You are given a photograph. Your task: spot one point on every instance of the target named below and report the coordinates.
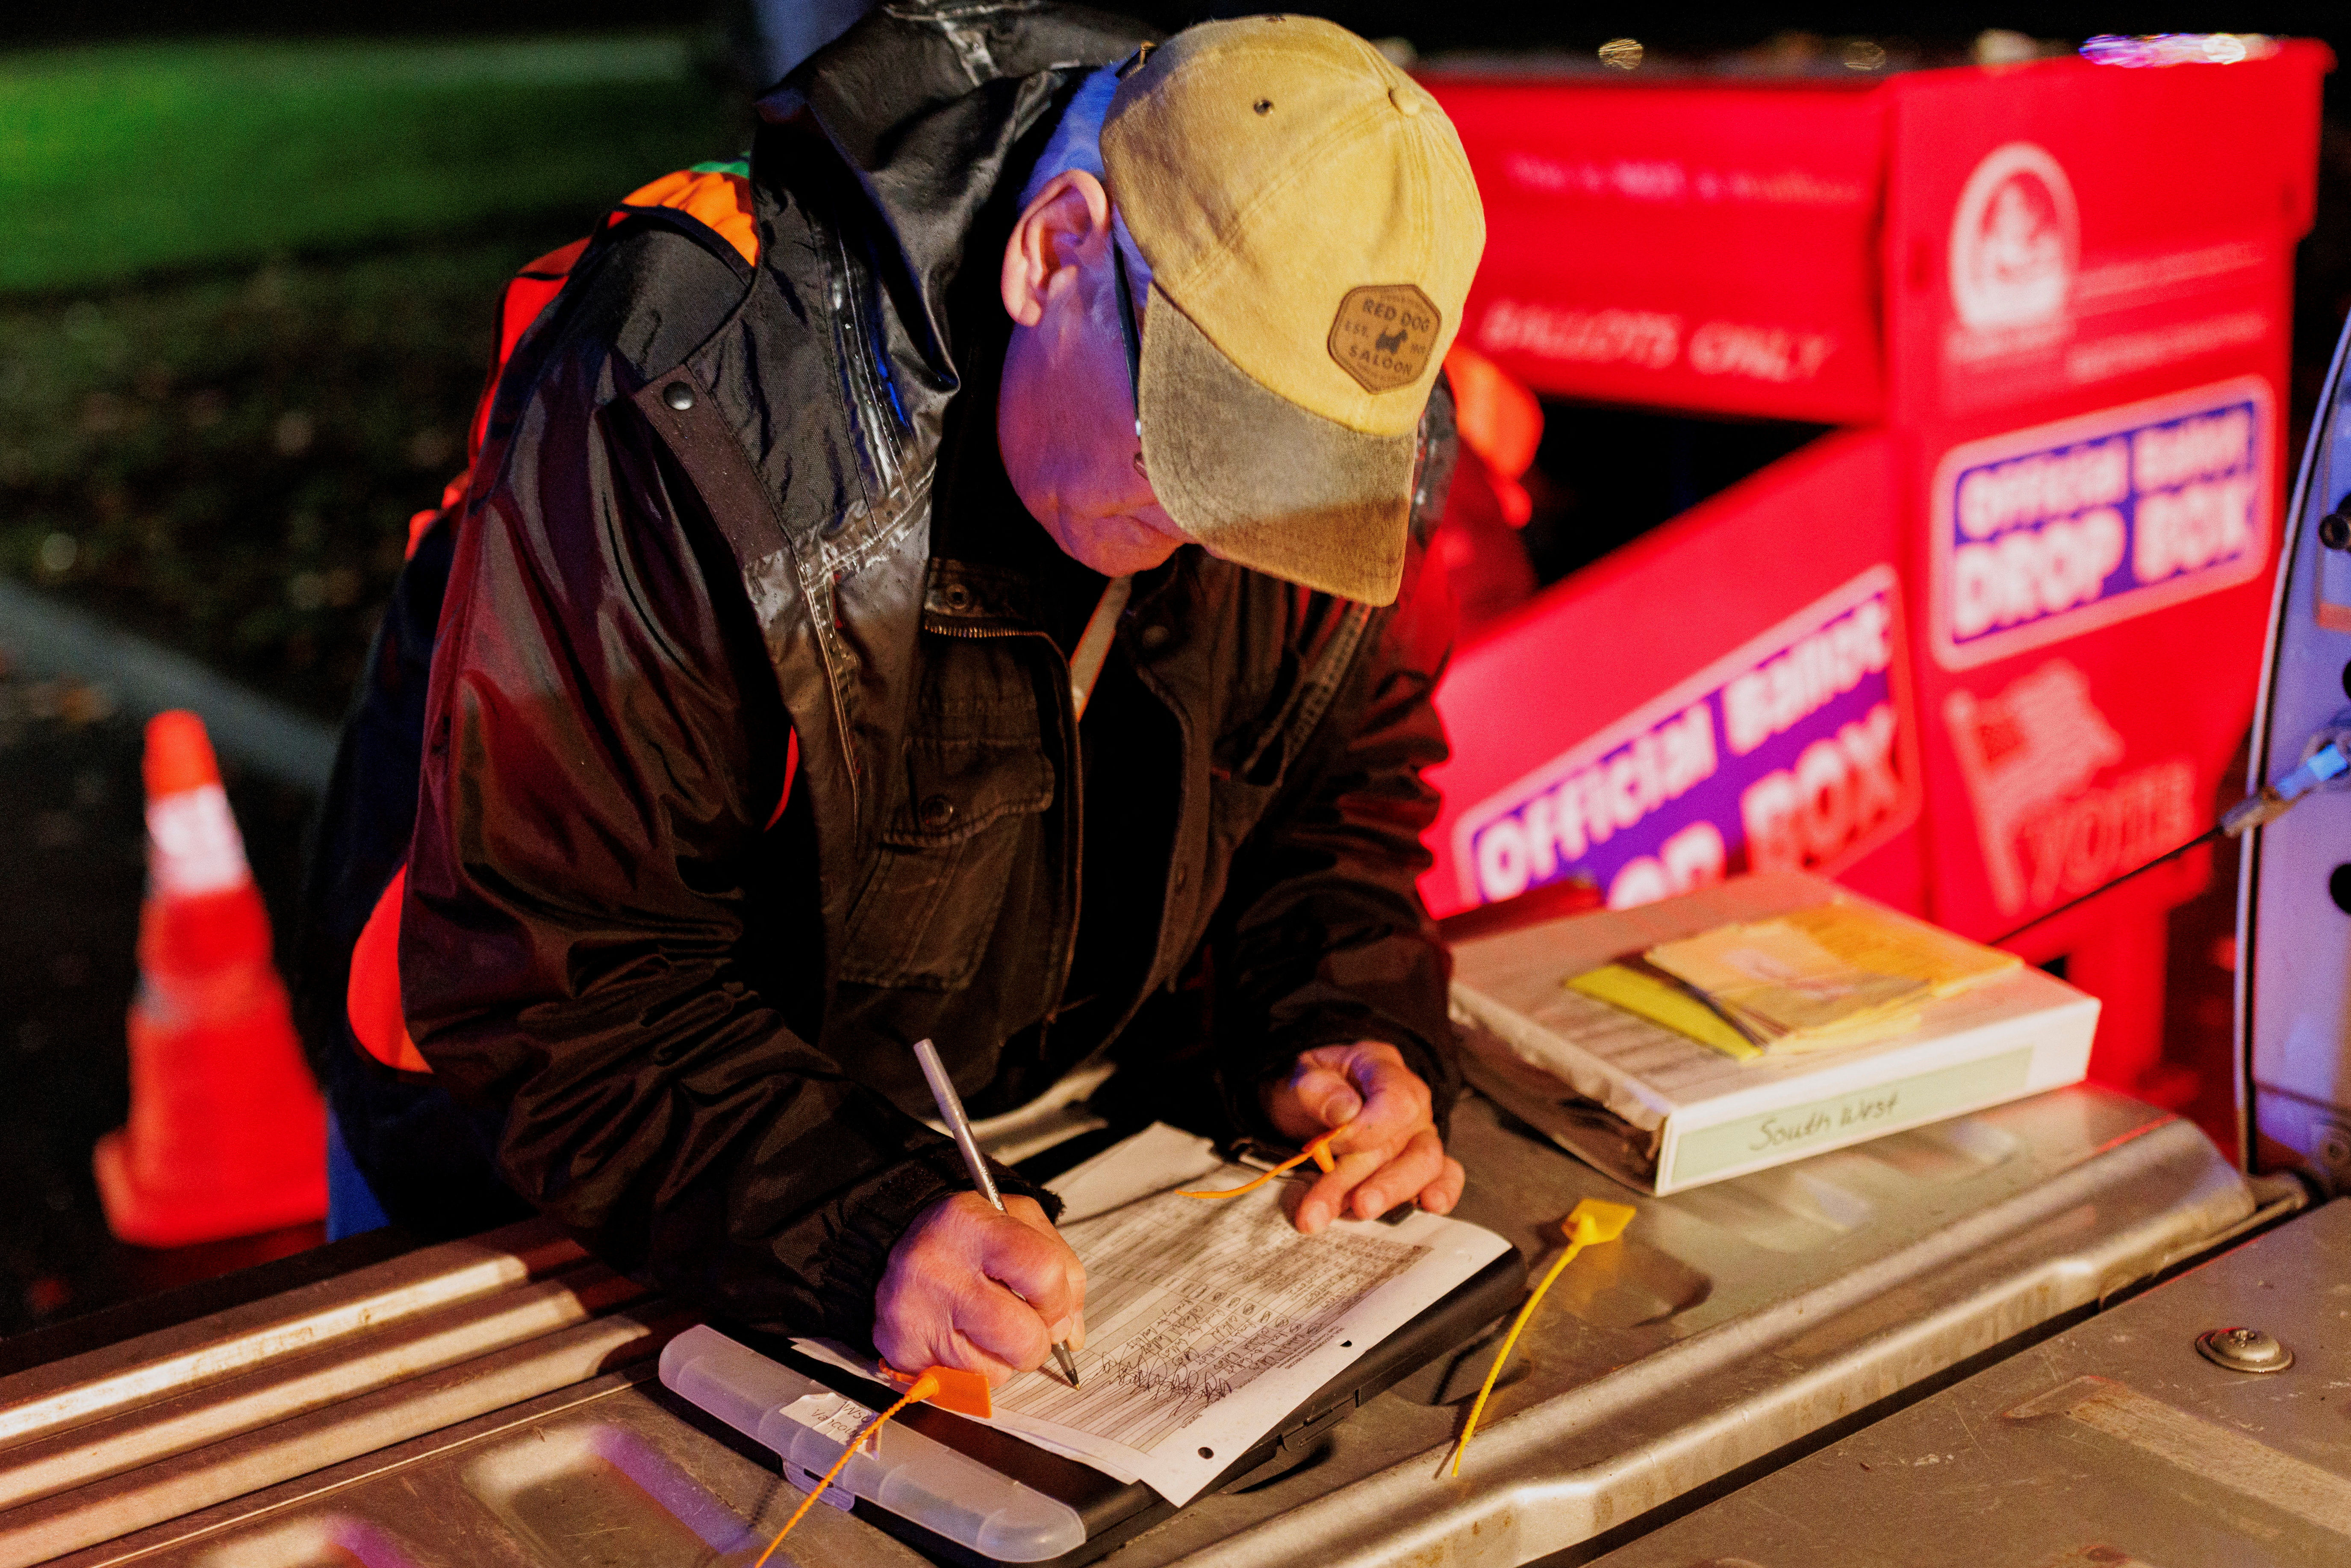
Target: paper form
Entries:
(1779, 979)
(1207, 1321)
(1871, 938)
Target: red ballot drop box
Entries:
(1996, 637)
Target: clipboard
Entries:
(1114, 1511)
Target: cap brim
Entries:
(1264, 483)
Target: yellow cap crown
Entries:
(1306, 205)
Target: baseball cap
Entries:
(1311, 226)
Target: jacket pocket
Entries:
(949, 853)
(1236, 807)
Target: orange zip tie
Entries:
(1589, 1223)
(965, 1393)
(1318, 1150)
(923, 1387)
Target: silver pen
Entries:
(950, 1105)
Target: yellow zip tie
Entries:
(925, 1386)
(1318, 1151)
(1588, 1224)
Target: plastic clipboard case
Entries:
(1113, 1512)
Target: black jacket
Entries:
(703, 521)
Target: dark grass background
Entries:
(246, 301)
(225, 459)
(246, 305)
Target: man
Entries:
(954, 592)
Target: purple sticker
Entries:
(1791, 752)
(2044, 534)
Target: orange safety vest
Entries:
(718, 196)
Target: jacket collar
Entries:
(910, 101)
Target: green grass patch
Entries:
(227, 462)
(246, 300)
(117, 160)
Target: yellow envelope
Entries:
(1775, 973)
(1868, 938)
(1661, 1002)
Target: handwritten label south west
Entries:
(1767, 1138)
(1860, 1111)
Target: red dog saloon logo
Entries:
(1384, 335)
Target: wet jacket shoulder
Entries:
(696, 473)
(701, 526)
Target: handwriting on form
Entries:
(1186, 1302)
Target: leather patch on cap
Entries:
(1384, 335)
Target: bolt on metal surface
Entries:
(2244, 1350)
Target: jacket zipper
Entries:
(877, 424)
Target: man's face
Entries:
(1065, 414)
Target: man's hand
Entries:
(969, 1288)
(1389, 1151)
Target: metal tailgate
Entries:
(493, 1401)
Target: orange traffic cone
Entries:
(227, 1134)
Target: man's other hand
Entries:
(969, 1288)
(1390, 1153)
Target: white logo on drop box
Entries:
(2016, 240)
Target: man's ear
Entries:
(1069, 218)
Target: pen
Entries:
(951, 1111)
